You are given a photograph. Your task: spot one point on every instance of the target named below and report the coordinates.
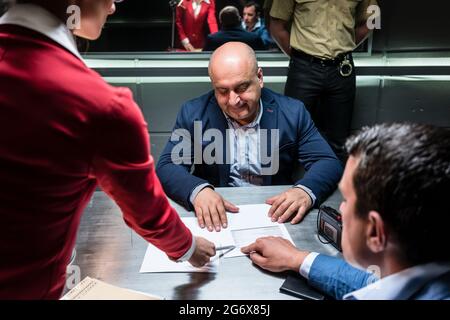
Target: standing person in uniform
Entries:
(191, 19)
(63, 131)
(321, 71)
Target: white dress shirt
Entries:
(390, 287)
(245, 169)
(393, 286)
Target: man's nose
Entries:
(234, 98)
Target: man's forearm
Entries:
(280, 34)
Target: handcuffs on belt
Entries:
(345, 67)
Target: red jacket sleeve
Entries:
(212, 21)
(179, 17)
(125, 170)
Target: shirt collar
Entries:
(38, 19)
(252, 124)
(256, 26)
(401, 285)
(206, 1)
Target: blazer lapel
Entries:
(203, 9)
(217, 121)
(269, 121)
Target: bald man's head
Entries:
(233, 53)
(237, 81)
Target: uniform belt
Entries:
(326, 62)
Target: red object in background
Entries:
(63, 130)
(192, 27)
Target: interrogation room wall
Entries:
(424, 99)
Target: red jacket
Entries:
(63, 130)
(194, 28)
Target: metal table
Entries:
(109, 251)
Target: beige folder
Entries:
(93, 289)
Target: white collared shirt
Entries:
(393, 286)
(245, 169)
(256, 26)
(390, 287)
(40, 20)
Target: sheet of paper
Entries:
(220, 239)
(156, 260)
(245, 237)
(250, 216)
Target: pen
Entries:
(225, 248)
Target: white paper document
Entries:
(245, 237)
(250, 216)
(251, 223)
(245, 227)
(156, 260)
(220, 239)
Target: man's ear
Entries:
(260, 77)
(376, 232)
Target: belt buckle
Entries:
(345, 67)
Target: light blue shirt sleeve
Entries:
(335, 277)
(197, 189)
(309, 192)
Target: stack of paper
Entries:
(93, 289)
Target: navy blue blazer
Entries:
(299, 142)
(215, 40)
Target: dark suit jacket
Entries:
(299, 142)
(213, 41)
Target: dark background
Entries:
(143, 25)
(406, 26)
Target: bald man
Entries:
(242, 134)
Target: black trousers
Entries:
(328, 96)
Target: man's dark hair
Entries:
(229, 17)
(255, 4)
(404, 175)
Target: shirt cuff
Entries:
(305, 267)
(185, 41)
(309, 192)
(197, 189)
(188, 253)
